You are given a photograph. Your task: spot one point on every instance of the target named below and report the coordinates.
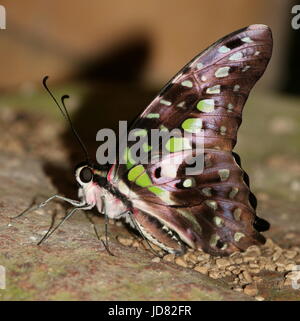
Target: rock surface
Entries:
(73, 264)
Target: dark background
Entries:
(64, 38)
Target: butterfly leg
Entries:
(105, 244)
(68, 215)
(35, 207)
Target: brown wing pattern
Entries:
(214, 210)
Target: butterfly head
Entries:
(87, 173)
(92, 183)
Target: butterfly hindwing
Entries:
(210, 210)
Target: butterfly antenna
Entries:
(73, 129)
(66, 115)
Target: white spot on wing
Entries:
(230, 107)
(236, 56)
(214, 90)
(187, 83)
(247, 40)
(181, 105)
(165, 102)
(169, 170)
(189, 182)
(236, 87)
(222, 72)
(224, 49)
(199, 65)
(245, 68)
(223, 130)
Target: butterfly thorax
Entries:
(95, 190)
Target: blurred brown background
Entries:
(153, 39)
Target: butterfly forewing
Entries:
(210, 210)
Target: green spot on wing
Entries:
(206, 105)
(146, 147)
(141, 132)
(139, 175)
(128, 159)
(176, 144)
(143, 180)
(135, 172)
(156, 190)
(152, 115)
(214, 240)
(163, 128)
(192, 125)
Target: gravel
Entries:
(243, 271)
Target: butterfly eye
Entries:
(86, 175)
(157, 172)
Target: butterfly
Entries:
(214, 211)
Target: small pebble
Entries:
(280, 269)
(192, 257)
(249, 258)
(269, 244)
(290, 254)
(103, 238)
(236, 271)
(238, 260)
(276, 255)
(290, 267)
(247, 276)
(180, 261)
(214, 275)
(253, 250)
(125, 241)
(253, 266)
(251, 290)
(290, 236)
(156, 259)
(136, 243)
(238, 289)
(270, 267)
(257, 279)
(169, 257)
(222, 263)
(201, 269)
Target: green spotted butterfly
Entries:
(215, 210)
